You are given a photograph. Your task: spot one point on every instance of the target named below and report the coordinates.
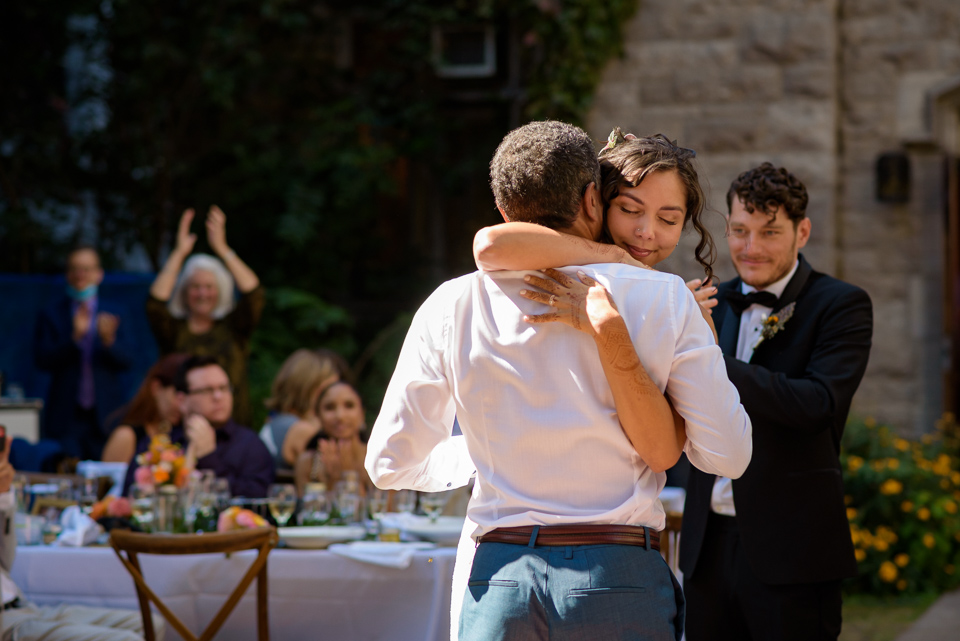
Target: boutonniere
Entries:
(775, 322)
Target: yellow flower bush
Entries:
(902, 498)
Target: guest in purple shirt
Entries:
(80, 341)
(230, 450)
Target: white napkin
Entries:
(116, 471)
(78, 528)
(387, 554)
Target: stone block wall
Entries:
(821, 87)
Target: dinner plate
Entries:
(446, 531)
(317, 537)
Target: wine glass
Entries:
(315, 509)
(282, 500)
(405, 501)
(141, 507)
(433, 503)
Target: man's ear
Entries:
(500, 209)
(591, 207)
(803, 232)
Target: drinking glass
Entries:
(282, 502)
(20, 485)
(376, 506)
(405, 501)
(220, 488)
(141, 507)
(315, 509)
(433, 503)
(87, 495)
(348, 502)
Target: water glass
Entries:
(404, 501)
(315, 506)
(348, 501)
(141, 507)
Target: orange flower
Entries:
(891, 486)
(888, 572)
(160, 475)
(929, 540)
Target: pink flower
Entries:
(143, 477)
(246, 519)
(168, 456)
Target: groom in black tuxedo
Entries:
(763, 555)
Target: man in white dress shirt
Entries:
(562, 490)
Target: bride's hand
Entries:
(704, 295)
(582, 304)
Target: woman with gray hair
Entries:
(192, 308)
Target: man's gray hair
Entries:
(540, 171)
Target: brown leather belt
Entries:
(574, 535)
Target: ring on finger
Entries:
(553, 300)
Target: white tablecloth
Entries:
(314, 594)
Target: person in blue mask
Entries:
(80, 341)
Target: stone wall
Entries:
(821, 87)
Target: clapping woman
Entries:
(340, 446)
(191, 307)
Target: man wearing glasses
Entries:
(230, 450)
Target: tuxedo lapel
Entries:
(730, 325)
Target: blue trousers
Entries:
(571, 593)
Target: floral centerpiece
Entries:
(165, 463)
(115, 506)
(237, 518)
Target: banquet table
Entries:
(314, 594)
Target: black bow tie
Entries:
(740, 302)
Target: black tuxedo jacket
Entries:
(797, 390)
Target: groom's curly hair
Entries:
(766, 188)
(540, 171)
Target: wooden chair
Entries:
(263, 539)
(670, 540)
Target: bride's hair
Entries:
(626, 162)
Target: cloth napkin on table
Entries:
(78, 528)
(387, 554)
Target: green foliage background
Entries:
(251, 105)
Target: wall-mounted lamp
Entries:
(893, 177)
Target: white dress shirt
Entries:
(538, 417)
(751, 323)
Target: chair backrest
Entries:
(263, 539)
(670, 540)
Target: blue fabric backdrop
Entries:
(22, 298)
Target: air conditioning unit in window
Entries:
(464, 51)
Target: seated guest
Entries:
(293, 401)
(154, 410)
(340, 444)
(23, 620)
(212, 438)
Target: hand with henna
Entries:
(582, 304)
